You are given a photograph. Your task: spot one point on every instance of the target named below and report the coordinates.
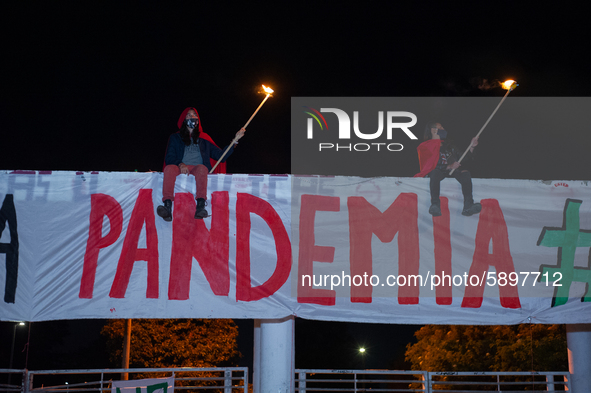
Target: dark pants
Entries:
(464, 177)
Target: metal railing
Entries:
(235, 379)
(313, 380)
(12, 380)
(536, 381)
(215, 379)
(318, 380)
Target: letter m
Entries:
(400, 218)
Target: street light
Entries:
(13, 339)
(12, 347)
(362, 353)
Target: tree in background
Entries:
(489, 348)
(175, 342)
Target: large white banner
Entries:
(89, 245)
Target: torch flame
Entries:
(267, 90)
(509, 84)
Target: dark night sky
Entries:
(100, 85)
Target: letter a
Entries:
(8, 214)
(143, 212)
(491, 228)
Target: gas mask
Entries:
(192, 122)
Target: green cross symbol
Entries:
(567, 239)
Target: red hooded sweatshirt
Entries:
(220, 168)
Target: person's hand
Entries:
(184, 169)
(240, 134)
(474, 142)
(455, 165)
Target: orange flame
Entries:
(267, 90)
(509, 84)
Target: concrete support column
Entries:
(578, 338)
(274, 355)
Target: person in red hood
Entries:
(437, 157)
(191, 151)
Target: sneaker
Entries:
(472, 209)
(435, 210)
(200, 212)
(165, 211)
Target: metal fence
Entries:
(360, 381)
(537, 381)
(216, 379)
(423, 381)
(235, 380)
(12, 380)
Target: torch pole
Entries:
(234, 140)
(255, 112)
(485, 124)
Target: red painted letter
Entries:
(308, 252)
(101, 205)
(245, 205)
(364, 220)
(442, 250)
(190, 238)
(143, 212)
(491, 227)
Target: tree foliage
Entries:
(175, 342)
(489, 348)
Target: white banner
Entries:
(89, 245)
(150, 385)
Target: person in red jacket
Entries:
(190, 151)
(437, 157)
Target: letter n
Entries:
(8, 214)
(191, 239)
(491, 228)
(400, 218)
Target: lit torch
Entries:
(267, 90)
(508, 85)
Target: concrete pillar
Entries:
(276, 356)
(578, 338)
